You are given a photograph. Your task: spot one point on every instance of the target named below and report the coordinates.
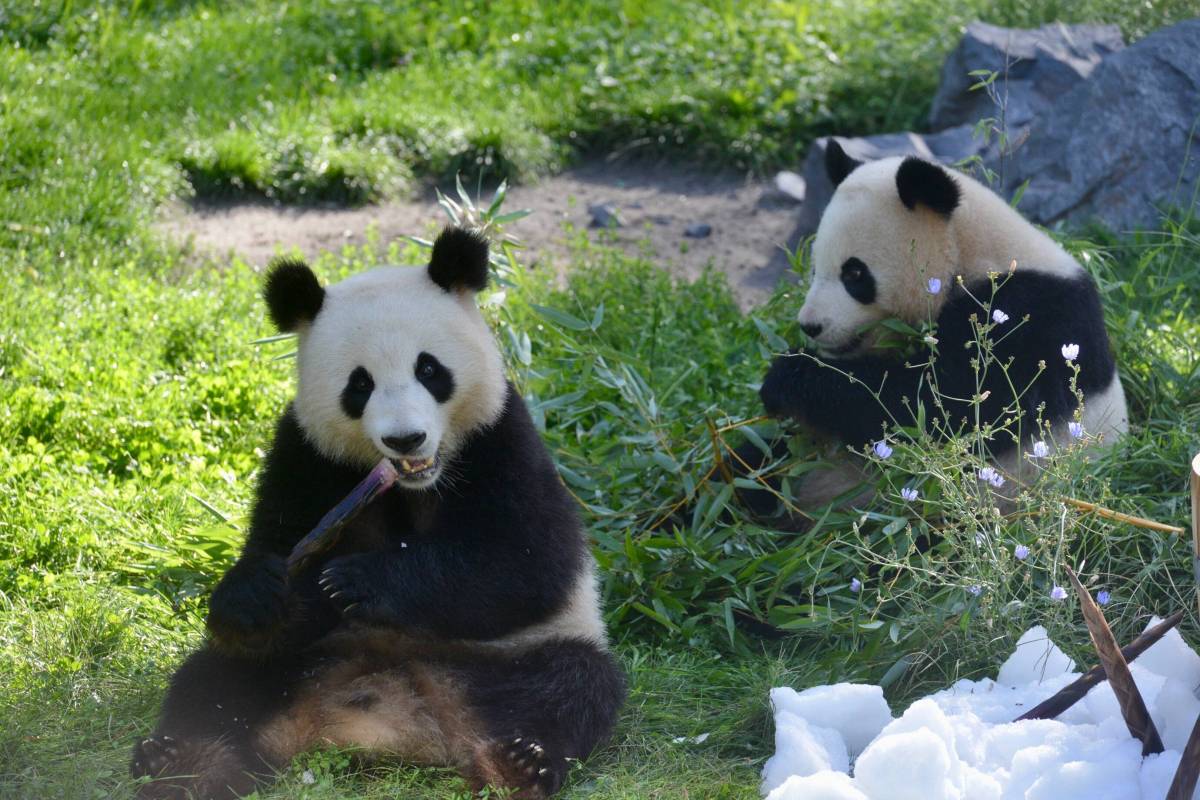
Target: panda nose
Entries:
(406, 442)
(812, 329)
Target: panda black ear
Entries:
(920, 181)
(293, 294)
(837, 164)
(459, 260)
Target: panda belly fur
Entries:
(502, 672)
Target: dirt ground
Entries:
(751, 222)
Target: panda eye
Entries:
(858, 281)
(360, 380)
(426, 370)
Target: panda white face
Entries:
(874, 253)
(395, 365)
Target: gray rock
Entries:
(699, 230)
(1042, 65)
(949, 147)
(1121, 144)
(605, 215)
(790, 185)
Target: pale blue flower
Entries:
(855, 585)
(1021, 552)
(909, 494)
(1076, 429)
(999, 317)
(990, 475)
(882, 449)
(1040, 450)
(1070, 351)
(1058, 593)
(1103, 597)
(975, 590)
(935, 285)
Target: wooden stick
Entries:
(381, 478)
(1073, 693)
(1133, 707)
(1189, 767)
(1108, 513)
(1196, 523)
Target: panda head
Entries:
(396, 362)
(887, 230)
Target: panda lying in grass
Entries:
(457, 621)
(906, 239)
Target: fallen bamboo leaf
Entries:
(325, 535)
(1133, 707)
(1108, 513)
(1189, 768)
(1069, 695)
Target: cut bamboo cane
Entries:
(1133, 707)
(1196, 523)
(1129, 519)
(1184, 782)
(1069, 695)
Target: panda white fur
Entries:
(457, 620)
(894, 225)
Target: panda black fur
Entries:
(457, 621)
(891, 226)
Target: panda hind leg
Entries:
(542, 710)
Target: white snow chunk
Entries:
(1111, 777)
(821, 786)
(1170, 657)
(907, 766)
(802, 749)
(1174, 712)
(855, 710)
(1157, 773)
(1035, 659)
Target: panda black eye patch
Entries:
(858, 280)
(434, 376)
(358, 390)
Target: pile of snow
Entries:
(840, 742)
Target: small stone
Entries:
(605, 215)
(698, 230)
(791, 185)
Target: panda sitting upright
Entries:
(457, 620)
(906, 239)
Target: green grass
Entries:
(133, 408)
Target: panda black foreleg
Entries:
(204, 744)
(544, 708)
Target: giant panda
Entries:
(457, 620)
(906, 239)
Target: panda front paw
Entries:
(249, 608)
(784, 384)
(351, 584)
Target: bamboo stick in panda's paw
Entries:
(325, 535)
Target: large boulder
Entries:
(1121, 144)
(949, 147)
(1036, 67)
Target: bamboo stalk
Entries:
(1133, 707)
(1184, 782)
(1108, 513)
(1069, 695)
(1196, 523)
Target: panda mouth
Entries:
(416, 469)
(843, 349)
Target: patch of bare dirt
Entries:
(751, 222)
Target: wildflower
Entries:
(1070, 351)
(1040, 450)
(882, 449)
(975, 590)
(1076, 429)
(999, 317)
(1021, 552)
(990, 475)
(935, 285)
(855, 585)
(1103, 597)
(909, 494)
(931, 340)
(1058, 593)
